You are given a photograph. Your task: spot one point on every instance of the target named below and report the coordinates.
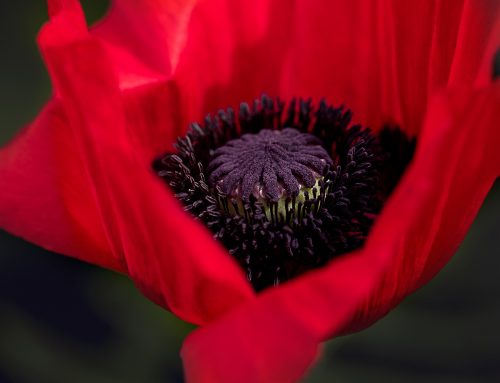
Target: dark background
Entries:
(65, 321)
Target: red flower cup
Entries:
(78, 180)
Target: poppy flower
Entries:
(79, 181)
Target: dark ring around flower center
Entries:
(285, 189)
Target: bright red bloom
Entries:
(77, 181)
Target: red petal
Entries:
(418, 231)
(154, 112)
(144, 38)
(93, 173)
(383, 59)
(57, 7)
(477, 41)
(45, 198)
(233, 350)
(200, 288)
(455, 166)
(234, 52)
(170, 256)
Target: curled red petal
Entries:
(45, 198)
(455, 166)
(416, 234)
(228, 351)
(169, 255)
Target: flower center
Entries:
(285, 189)
(280, 169)
(270, 165)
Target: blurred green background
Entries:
(65, 321)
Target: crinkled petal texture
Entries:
(78, 180)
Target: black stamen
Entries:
(286, 191)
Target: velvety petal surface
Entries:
(418, 231)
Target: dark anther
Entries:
(285, 190)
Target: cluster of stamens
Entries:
(284, 190)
